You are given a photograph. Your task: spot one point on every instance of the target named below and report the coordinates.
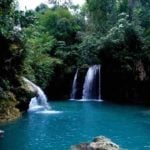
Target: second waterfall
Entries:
(91, 87)
(91, 84)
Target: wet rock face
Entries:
(99, 143)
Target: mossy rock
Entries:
(15, 100)
(10, 113)
(8, 110)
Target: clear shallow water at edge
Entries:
(128, 126)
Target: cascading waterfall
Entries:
(39, 102)
(74, 86)
(91, 87)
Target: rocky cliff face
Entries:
(8, 110)
(11, 62)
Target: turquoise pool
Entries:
(128, 126)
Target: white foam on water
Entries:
(48, 112)
(35, 108)
(88, 100)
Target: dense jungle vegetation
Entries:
(48, 44)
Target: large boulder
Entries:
(28, 85)
(24, 93)
(99, 143)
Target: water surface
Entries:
(128, 126)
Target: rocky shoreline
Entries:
(98, 143)
(13, 103)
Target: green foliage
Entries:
(6, 17)
(121, 46)
(51, 43)
(12, 50)
(59, 23)
(38, 65)
(89, 49)
(101, 14)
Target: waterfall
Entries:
(91, 87)
(39, 102)
(74, 86)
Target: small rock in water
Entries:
(99, 143)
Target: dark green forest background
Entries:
(47, 45)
